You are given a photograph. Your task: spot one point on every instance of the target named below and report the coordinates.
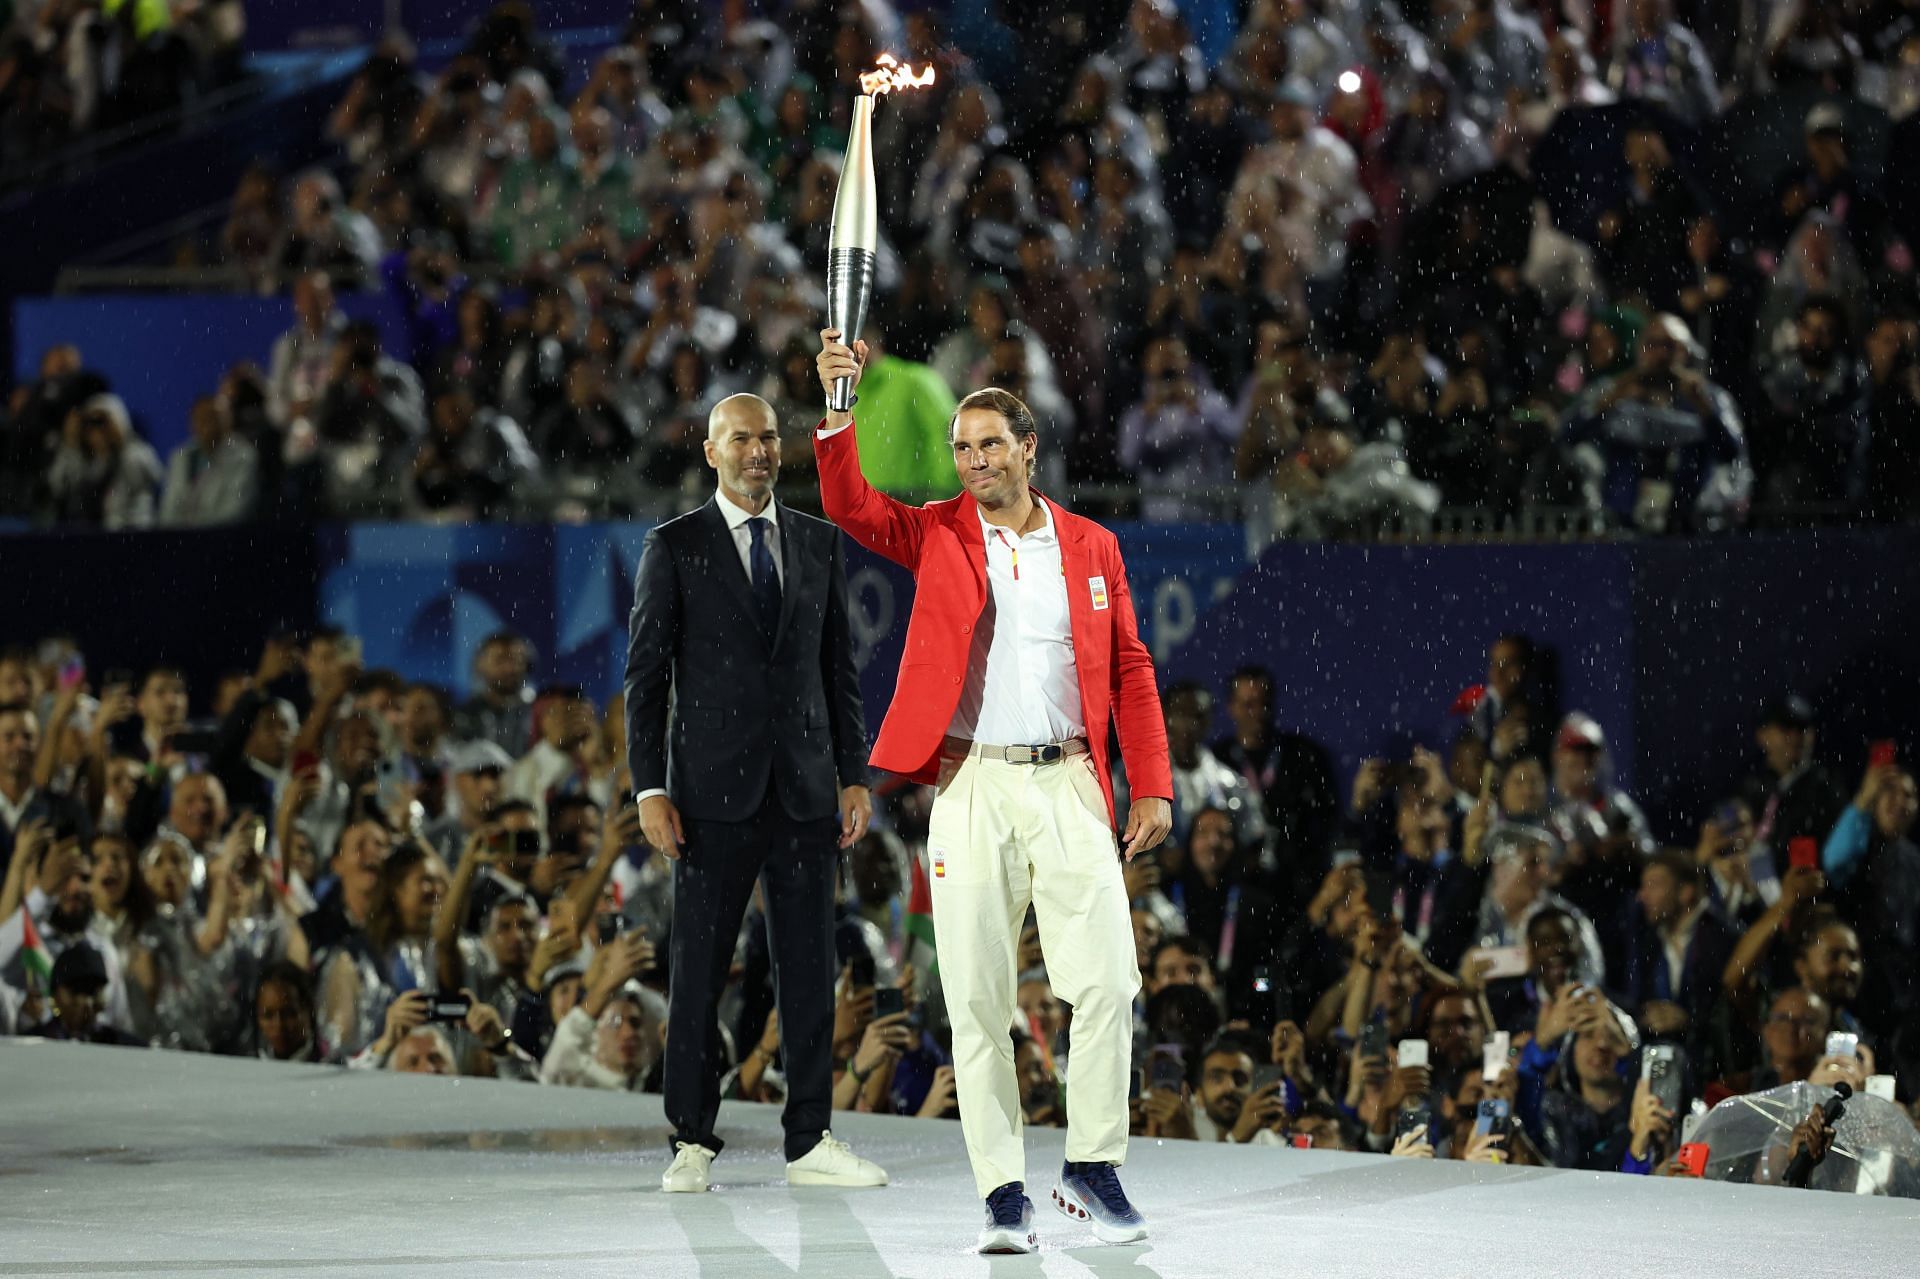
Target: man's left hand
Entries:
(856, 814)
(1148, 822)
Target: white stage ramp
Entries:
(123, 1162)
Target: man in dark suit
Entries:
(1678, 948)
(21, 802)
(746, 741)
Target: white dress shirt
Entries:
(736, 517)
(14, 814)
(1022, 688)
(1675, 944)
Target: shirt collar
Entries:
(1680, 937)
(736, 516)
(15, 812)
(1045, 533)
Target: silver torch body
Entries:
(853, 247)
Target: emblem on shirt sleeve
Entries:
(1097, 587)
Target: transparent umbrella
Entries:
(1876, 1150)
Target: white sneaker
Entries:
(687, 1174)
(831, 1163)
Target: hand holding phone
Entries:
(1494, 1056)
(1803, 853)
(1166, 1068)
(1373, 1041)
(449, 1007)
(1663, 1068)
(888, 1001)
(1503, 962)
(1692, 1158)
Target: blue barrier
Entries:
(1672, 645)
(423, 597)
(162, 351)
(345, 22)
(129, 192)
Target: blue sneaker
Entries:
(1009, 1221)
(1091, 1193)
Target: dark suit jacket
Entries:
(713, 712)
(1707, 955)
(45, 806)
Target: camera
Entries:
(448, 1008)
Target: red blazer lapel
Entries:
(963, 515)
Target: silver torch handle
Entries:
(849, 289)
(852, 248)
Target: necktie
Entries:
(766, 581)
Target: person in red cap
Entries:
(1604, 832)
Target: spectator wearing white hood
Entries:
(103, 473)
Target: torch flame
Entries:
(891, 74)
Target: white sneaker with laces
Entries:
(832, 1163)
(687, 1174)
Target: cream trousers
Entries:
(1003, 836)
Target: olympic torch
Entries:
(854, 244)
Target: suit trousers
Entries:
(795, 862)
(1002, 836)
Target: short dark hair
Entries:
(1257, 674)
(560, 805)
(1229, 1042)
(1202, 695)
(381, 681)
(1546, 916)
(1682, 866)
(506, 806)
(1183, 943)
(992, 399)
(1518, 640)
(1817, 921)
(284, 972)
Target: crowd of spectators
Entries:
(70, 68)
(333, 865)
(1333, 281)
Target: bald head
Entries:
(749, 412)
(743, 448)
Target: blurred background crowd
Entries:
(71, 70)
(334, 865)
(1572, 264)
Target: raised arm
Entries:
(880, 523)
(450, 965)
(618, 832)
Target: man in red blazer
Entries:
(1021, 652)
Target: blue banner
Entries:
(422, 597)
